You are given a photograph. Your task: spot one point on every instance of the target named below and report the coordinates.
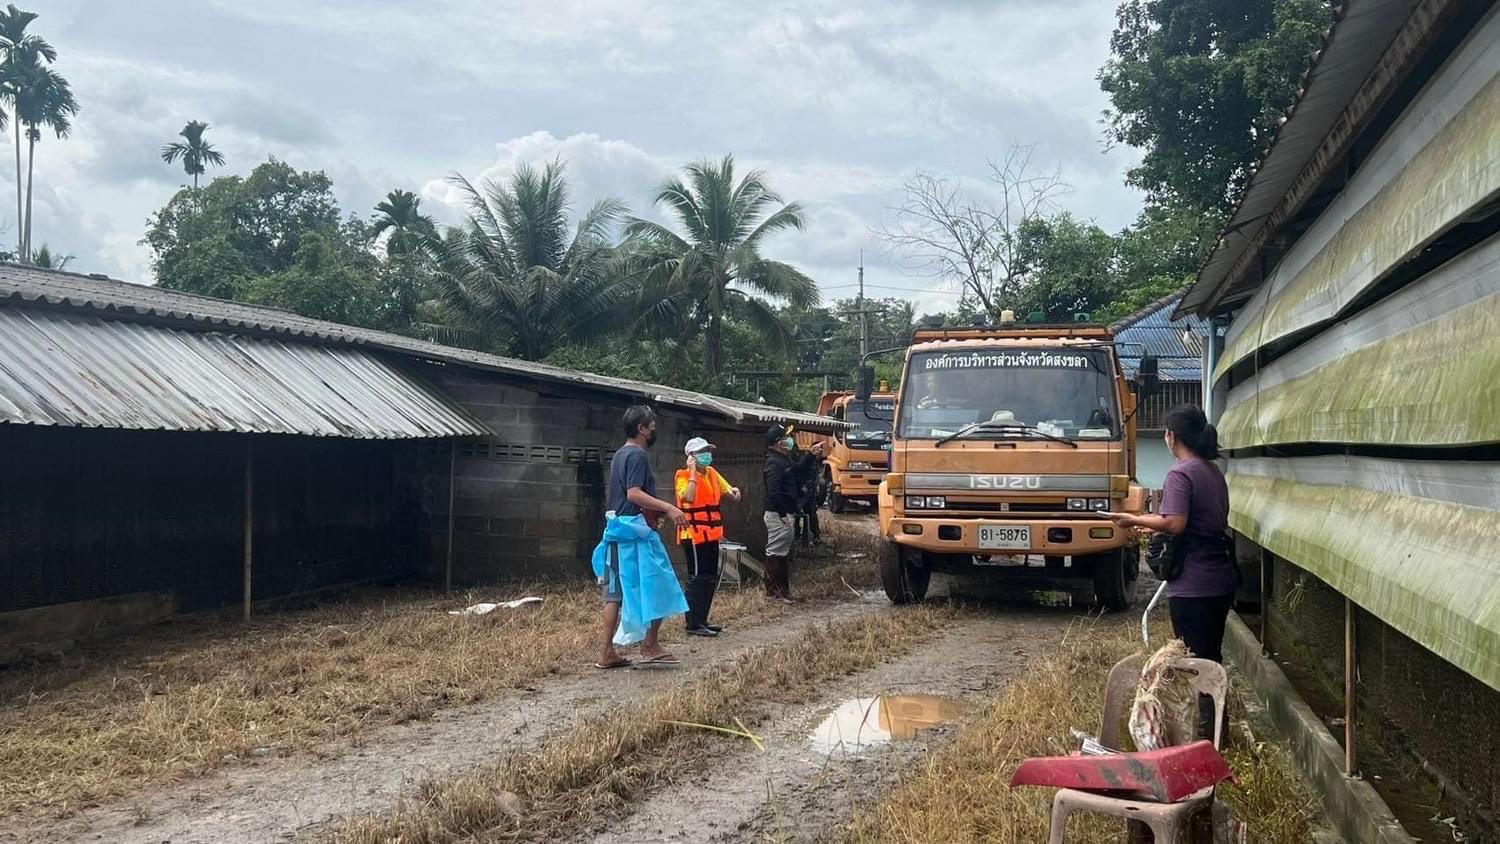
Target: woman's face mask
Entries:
(705, 459)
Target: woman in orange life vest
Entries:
(700, 489)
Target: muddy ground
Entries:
(799, 788)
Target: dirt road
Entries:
(799, 788)
(822, 759)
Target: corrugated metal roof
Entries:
(79, 370)
(1177, 345)
(138, 302)
(1337, 93)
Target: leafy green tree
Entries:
(517, 278)
(1157, 256)
(1199, 86)
(195, 152)
(275, 238)
(1067, 267)
(320, 283)
(712, 273)
(409, 229)
(261, 218)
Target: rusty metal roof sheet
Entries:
(143, 303)
(72, 369)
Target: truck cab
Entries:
(859, 457)
(1007, 442)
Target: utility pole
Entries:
(864, 319)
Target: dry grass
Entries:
(594, 770)
(962, 793)
(202, 692)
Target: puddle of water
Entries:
(863, 723)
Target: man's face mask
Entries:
(705, 459)
(789, 444)
(650, 438)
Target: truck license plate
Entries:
(1005, 537)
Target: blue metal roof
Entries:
(1151, 331)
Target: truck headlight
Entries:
(859, 466)
(1100, 504)
(936, 502)
(927, 502)
(1078, 504)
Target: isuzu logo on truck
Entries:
(1005, 482)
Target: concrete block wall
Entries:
(530, 501)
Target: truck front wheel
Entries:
(837, 503)
(1112, 589)
(904, 583)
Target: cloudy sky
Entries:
(838, 102)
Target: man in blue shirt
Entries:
(632, 492)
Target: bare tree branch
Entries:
(971, 237)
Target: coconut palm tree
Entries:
(715, 269)
(517, 277)
(45, 259)
(400, 214)
(196, 153)
(19, 51)
(44, 99)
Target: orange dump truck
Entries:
(857, 459)
(1007, 441)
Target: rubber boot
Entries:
(775, 577)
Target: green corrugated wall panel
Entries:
(1458, 171)
(1428, 568)
(1437, 384)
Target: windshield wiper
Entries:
(992, 424)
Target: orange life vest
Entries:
(705, 519)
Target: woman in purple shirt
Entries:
(1195, 506)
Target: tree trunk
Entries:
(715, 337)
(30, 171)
(20, 229)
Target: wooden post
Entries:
(1265, 602)
(452, 483)
(249, 516)
(1351, 682)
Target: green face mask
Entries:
(705, 460)
(789, 444)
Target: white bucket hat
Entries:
(697, 444)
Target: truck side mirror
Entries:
(866, 383)
(1146, 377)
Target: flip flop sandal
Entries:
(622, 663)
(665, 660)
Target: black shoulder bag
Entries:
(1165, 553)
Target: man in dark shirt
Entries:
(781, 505)
(632, 492)
(808, 466)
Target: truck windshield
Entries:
(872, 422)
(1063, 392)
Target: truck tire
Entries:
(837, 503)
(1112, 591)
(904, 583)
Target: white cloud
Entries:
(837, 103)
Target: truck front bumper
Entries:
(1060, 537)
(858, 484)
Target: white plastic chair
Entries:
(1167, 821)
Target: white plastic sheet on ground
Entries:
(486, 609)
